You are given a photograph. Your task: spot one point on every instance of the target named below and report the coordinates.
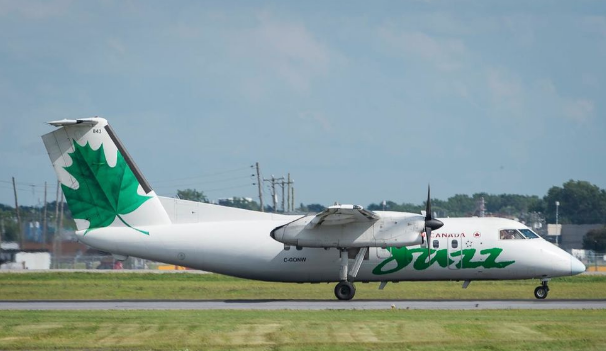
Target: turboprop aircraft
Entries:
(117, 211)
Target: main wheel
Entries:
(345, 290)
(541, 292)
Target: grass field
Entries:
(292, 330)
(304, 330)
(81, 285)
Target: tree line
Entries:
(580, 202)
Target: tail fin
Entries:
(101, 183)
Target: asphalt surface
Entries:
(302, 304)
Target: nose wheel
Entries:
(345, 290)
(541, 291)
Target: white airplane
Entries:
(117, 211)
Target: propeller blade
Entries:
(428, 234)
(430, 222)
(428, 214)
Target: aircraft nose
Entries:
(576, 266)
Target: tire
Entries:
(345, 291)
(541, 292)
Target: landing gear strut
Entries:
(345, 290)
(541, 291)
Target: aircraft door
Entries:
(455, 252)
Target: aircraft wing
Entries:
(342, 214)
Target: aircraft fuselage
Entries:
(463, 249)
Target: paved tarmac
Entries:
(302, 304)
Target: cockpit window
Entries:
(510, 234)
(529, 233)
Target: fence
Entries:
(99, 262)
(595, 261)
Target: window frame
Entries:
(517, 234)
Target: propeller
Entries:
(430, 222)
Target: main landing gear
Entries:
(345, 289)
(541, 291)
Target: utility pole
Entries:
(55, 258)
(282, 183)
(288, 193)
(18, 215)
(273, 193)
(289, 202)
(44, 224)
(292, 198)
(60, 231)
(260, 187)
(286, 207)
(273, 181)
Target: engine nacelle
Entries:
(388, 231)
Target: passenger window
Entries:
(436, 244)
(455, 244)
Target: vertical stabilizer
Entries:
(101, 183)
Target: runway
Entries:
(301, 304)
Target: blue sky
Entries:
(360, 101)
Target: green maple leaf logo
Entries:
(104, 192)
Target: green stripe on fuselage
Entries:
(404, 256)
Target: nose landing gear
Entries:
(541, 291)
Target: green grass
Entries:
(291, 330)
(81, 285)
(304, 330)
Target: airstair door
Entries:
(455, 253)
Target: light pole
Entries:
(557, 228)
